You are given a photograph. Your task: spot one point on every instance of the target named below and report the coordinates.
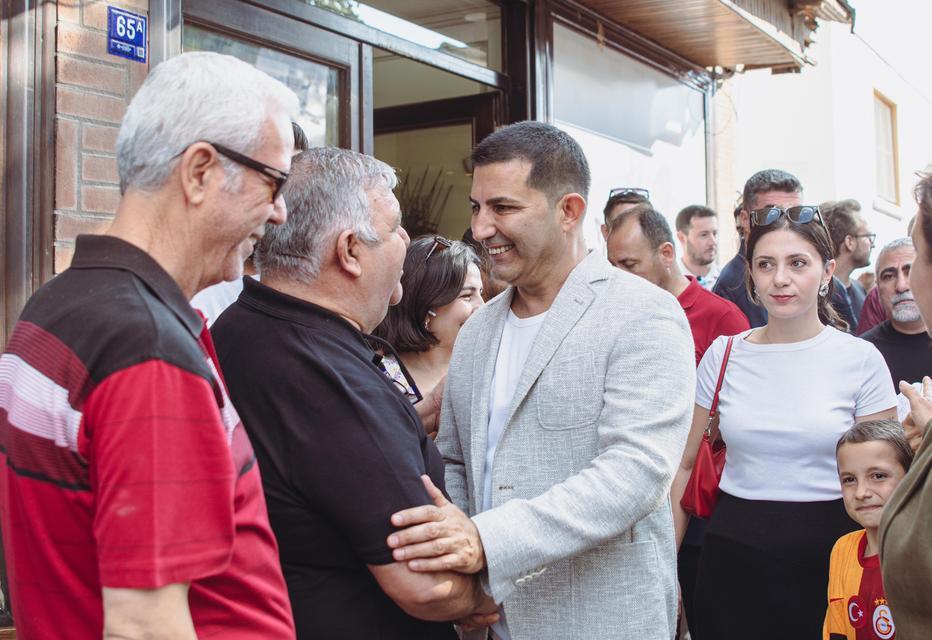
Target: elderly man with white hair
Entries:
(902, 339)
(130, 500)
(340, 446)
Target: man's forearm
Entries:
(680, 517)
(148, 614)
(438, 596)
(453, 596)
(163, 633)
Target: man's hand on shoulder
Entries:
(438, 537)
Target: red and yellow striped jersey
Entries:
(857, 606)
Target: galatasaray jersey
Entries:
(857, 606)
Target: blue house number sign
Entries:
(126, 34)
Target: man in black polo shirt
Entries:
(339, 446)
(902, 340)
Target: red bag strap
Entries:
(713, 410)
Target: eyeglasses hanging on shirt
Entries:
(395, 369)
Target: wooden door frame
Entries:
(27, 153)
(483, 111)
(27, 163)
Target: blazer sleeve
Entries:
(649, 386)
(452, 433)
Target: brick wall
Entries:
(93, 89)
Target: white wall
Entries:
(637, 126)
(819, 125)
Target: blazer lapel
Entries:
(568, 307)
(570, 304)
(484, 358)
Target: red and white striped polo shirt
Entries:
(125, 464)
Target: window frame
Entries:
(894, 135)
(348, 57)
(168, 16)
(174, 10)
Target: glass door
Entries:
(322, 68)
(429, 144)
(316, 85)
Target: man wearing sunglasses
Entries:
(131, 503)
(620, 199)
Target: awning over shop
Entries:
(727, 33)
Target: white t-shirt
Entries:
(783, 407)
(517, 338)
(708, 280)
(214, 300)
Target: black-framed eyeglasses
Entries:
(618, 192)
(277, 175)
(802, 214)
(870, 236)
(439, 241)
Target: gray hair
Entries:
(191, 97)
(899, 243)
(326, 195)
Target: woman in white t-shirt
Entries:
(791, 388)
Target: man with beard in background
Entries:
(902, 339)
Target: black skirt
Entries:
(763, 570)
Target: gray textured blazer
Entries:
(579, 541)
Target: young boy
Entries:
(872, 458)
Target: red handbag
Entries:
(701, 494)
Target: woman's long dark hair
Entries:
(815, 234)
(428, 282)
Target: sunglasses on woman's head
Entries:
(439, 241)
(802, 214)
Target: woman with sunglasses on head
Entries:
(790, 389)
(442, 288)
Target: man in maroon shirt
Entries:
(130, 500)
(640, 241)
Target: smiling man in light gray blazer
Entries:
(566, 411)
